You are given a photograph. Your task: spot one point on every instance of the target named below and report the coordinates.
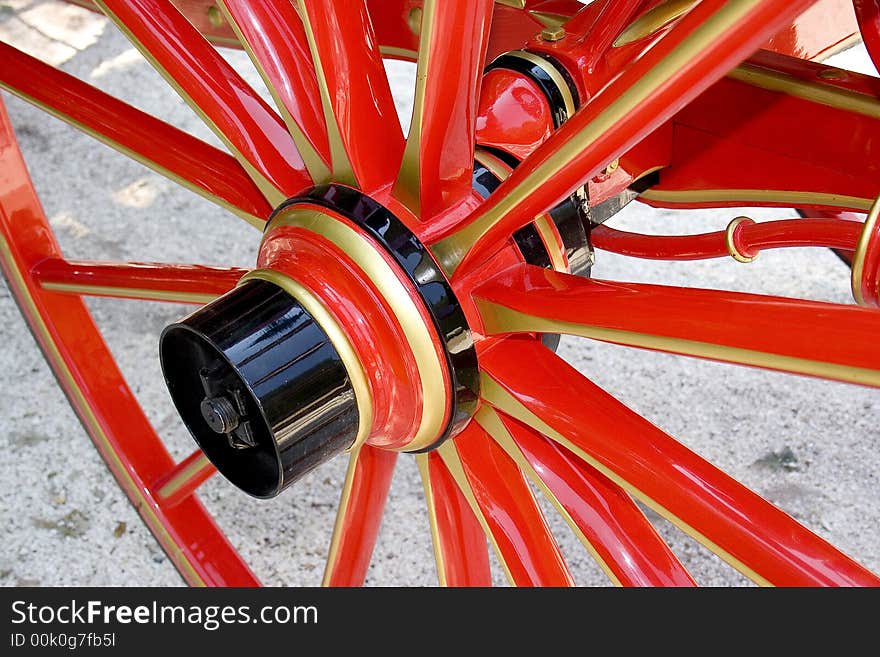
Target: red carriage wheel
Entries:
(409, 290)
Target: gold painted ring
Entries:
(730, 240)
(419, 336)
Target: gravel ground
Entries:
(808, 446)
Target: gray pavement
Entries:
(809, 446)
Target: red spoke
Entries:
(604, 517)
(460, 549)
(184, 479)
(165, 149)
(824, 29)
(714, 324)
(230, 107)
(750, 533)
(701, 47)
(366, 142)
(136, 280)
(502, 500)
(438, 161)
(748, 239)
(359, 515)
(273, 36)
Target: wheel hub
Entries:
(346, 332)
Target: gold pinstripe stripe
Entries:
(314, 164)
(254, 221)
(272, 193)
(344, 498)
(342, 170)
(128, 292)
(439, 560)
(747, 196)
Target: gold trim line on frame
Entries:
(746, 196)
(813, 91)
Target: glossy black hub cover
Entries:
(260, 387)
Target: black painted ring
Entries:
(527, 239)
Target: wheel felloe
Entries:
(260, 387)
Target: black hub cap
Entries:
(260, 387)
